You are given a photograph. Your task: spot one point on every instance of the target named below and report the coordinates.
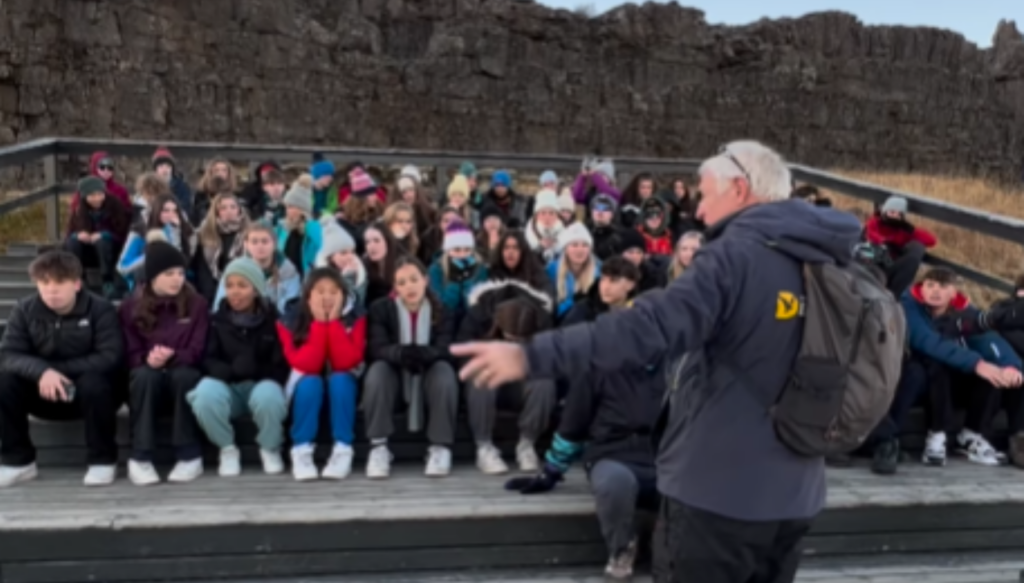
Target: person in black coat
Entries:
(407, 351)
(607, 421)
(253, 195)
(244, 370)
(59, 357)
(604, 227)
(653, 270)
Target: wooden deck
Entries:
(55, 530)
(58, 501)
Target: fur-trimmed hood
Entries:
(495, 291)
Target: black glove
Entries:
(545, 481)
(408, 357)
(245, 368)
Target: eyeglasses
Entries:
(725, 153)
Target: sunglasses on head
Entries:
(725, 153)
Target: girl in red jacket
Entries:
(324, 345)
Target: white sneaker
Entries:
(378, 466)
(620, 567)
(100, 475)
(339, 466)
(488, 460)
(230, 462)
(188, 471)
(272, 462)
(11, 475)
(142, 473)
(977, 448)
(935, 449)
(439, 461)
(526, 457)
(303, 468)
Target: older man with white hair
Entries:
(736, 502)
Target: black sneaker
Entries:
(887, 458)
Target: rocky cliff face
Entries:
(501, 75)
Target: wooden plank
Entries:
(304, 564)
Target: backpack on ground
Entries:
(848, 366)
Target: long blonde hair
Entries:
(206, 184)
(675, 269)
(583, 281)
(412, 242)
(358, 211)
(209, 234)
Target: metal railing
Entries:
(48, 150)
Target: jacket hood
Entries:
(503, 289)
(805, 232)
(960, 301)
(94, 161)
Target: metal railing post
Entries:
(52, 202)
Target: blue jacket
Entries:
(717, 449)
(570, 284)
(311, 243)
(183, 193)
(454, 293)
(938, 339)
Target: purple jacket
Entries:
(186, 336)
(579, 188)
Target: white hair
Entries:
(761, 166)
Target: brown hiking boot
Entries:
(1017, 450)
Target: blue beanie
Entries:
(322, 168)
(501, 178)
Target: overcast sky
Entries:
(975, 19)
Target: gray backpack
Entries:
(849, 362)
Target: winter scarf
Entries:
(534, 236)
(212, 253)
(412, 384)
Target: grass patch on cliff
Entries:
(28, 224)
(995, 256)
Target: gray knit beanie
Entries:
(300, 195)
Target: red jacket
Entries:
(880, 233)
(328, 342)
(114, 188)
(657, 245)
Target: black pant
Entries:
(949, 390)
(95, 401)
(150, 392)
(904, 268)
(696, 546)
(103, 251)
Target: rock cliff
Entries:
(502, 75)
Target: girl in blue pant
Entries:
(324, 345)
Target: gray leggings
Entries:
(535, 401)
(619, 488)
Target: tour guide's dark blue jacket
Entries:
(719, 452)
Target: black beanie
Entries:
(161, 256)
(629, 239)
(490, 209)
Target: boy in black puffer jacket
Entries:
(613, 415)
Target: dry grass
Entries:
(994, 256)
(28, 224)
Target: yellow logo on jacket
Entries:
(787, 306)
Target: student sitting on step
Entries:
(98, 227)
(165, 322)
(408, 351)
(950, 368)
(284, 284)
(338, 251)
(607, 421)
(59, 359)
(245, 370)
(457, 270)
(299, 235)
(166, 223)
(516, 318)
(324, 345)
(221, 238)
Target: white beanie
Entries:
(406, 183)
(574, 233)
(335, 240)
(565, 200)
(604, 166)
(412, 172)
(545, 199)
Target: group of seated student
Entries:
(276, 300)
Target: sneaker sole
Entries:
(187, 480)
(97, 484)
(437, 474)
(494, 472)
(143, 483)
